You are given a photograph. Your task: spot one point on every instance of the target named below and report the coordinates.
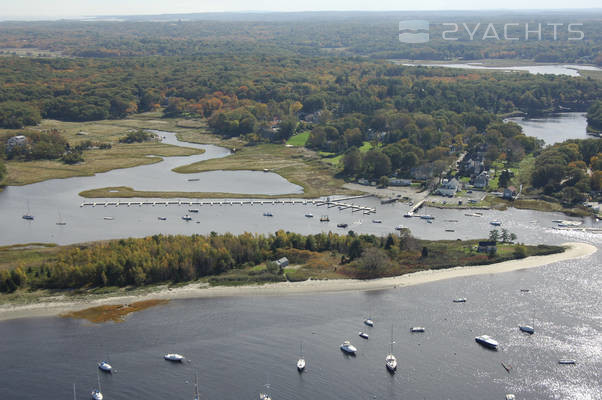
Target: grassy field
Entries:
(299, 139)
(108, 131)
(335, 160)
(32, 254)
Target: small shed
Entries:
(487, 247)
(282, 262)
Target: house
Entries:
(509, 193)
(282, 262)
(15, 141)
(363, 181)
(481, 181)
(449, 188)
(487, 247)
(399, 182)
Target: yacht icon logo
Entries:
(414, 31)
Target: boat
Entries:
(187, 217)
(377, 221)
(74, 395)
(527, 329)
(450, 230)
(567, 361)
(60, 222)
(390, 359)
(487, 341)
(268, 214)
(97, 393)
(460, 300)
(369, 322)
(342, 225)
(525, 290)
(472, 215)
(428, 221)
(363, 335)
(162, 218)
(28, 215)
(196, 386)
(105, 367)
(193, 210)
(108, 218)
(348, 348)
(427, 217)
(309, 215)
(174, 357)
(193, 180)
(264, 396)
(408, 215)
(416, 329)
(399, 227)
(510, 397)
(301, 360)
(496, 223)
(324, 218)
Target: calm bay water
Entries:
(555, 128)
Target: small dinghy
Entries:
(174, 357)
(363, 335)
(416, 329)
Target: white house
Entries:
(15, 141)
(449, 188)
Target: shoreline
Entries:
(574, 250)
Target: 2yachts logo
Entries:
(418, 31)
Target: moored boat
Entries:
(174, 357)
(162, 218)
(187, 217)
(567, 361)
(416, 329)
(460, 300)
(369, 322)
(301, 360)
(105, 366)
(363, 335)
(324, 218)
(348, 348)
(377, 221)
(309, 215)
(487, 341)
(496, 223)
(268, 214)
(343, 225)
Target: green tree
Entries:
(494, 235)
(352, 162)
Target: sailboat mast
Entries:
(196, 385)
(74, 395)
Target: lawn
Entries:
(299, 139)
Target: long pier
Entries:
(318, 203)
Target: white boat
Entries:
(348, 348)
(416, 329)
(408, 215)
(390, 360)
(96, 394)
(105, 366)
(187, 217)
(377, 221)
(309, 215)
(530, 329)
(193, 210)
(174, 357)
(399, 227)
(301, 360)
(363, 335)
(162, 218)
(487, 341)
(108, 218)
(510, 397)
(28, 215)
(324, 218)
(369, 322)
(567, 361)
(264, 396)
(496, 223)
(460, 300)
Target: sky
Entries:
(35, 9)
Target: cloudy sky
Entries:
(72, 8)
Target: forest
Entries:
(160, 258)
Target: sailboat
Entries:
(74, 395)
(390, 359)
(28, 215)
(97, 393)
(368, 321)
(530, 329)
(196, 386)
(60, 221)
(301, 360)
(264, 395)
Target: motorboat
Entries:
(363, 335)
(427, 217)
(264, 396)
(496, 223)
(268, 214)
(566, 361)
(487, 341)
(460, 300)
(97, 394)
(162, 218)
(377, 221)
(309, 215)
(408, 215)
(105, 366)
(193, 210)
(399, 227)
(348, 348)
(106, 218)
(324, 218)
(510, 397)
(369, 322)
(527, 329)
(174, 357)
(416, 329)
(187, 217)
(193, 180)
(450, 230)
(342, 225)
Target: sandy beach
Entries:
(57, 306)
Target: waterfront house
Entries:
(509, 193)
(449, 188)
(15, 141)
(282, 262)
(481, 181)
(487, 247)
